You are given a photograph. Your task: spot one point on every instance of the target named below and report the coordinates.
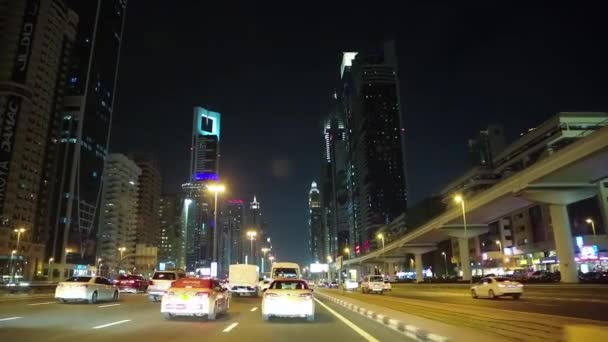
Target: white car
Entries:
(387, 286)
(288, 298)
(195, 297)
(160, 282)
(87, 288)
(372, 283)
(351, 285)
(494, 287)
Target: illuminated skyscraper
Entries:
(205, 154)
(75, 180)
(373, 110)
(36, 43)
(232, 225)
(315, 222)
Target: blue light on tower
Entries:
(208, 122)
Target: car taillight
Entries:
(306, 295)
(520, 285)
(83, 286)
(501, 285)
(131, 281)
(151, 282)
(270, 295)
(202, 294)
(170, 293)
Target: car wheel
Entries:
(516, 296)
(491, 294)
(115, 296)
(93, 299)
(265, 317)
(213, 314)
(474, 294)
(61, 300)
(167, 315)
(310, 318)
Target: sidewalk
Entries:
(411, 326)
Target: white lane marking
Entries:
(45, 303)
(253, 309)
(350, 324)
(111, 324)
(9, 318)
(231, 326)
(108, 305)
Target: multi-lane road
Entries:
(134, 318)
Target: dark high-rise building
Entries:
(170, 221)
(148, 226)
(315, 222)
(333, 183)
(373, 110)
(253, 223)
(75, 187)
(487, 145)
(198, 215)
(36, 42)
(232, 226)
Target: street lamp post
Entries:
(11, 264)
(50, 269)
(460, 199)
(264, 251)
(19, 231)
(251, 236)
(445, 259)
(592, 223)
(121, 250)
(216, 189)
(381, 237)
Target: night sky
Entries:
(270, 72)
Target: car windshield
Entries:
(79, 279)
(376, 278)
(285, 273)
(164, 276)
(288, 285)
(502, 280)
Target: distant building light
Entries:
(203, 176)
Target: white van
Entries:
(283, 270)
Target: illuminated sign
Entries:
(203, 176)
(207, 122)
(589, 252)
(319, 268)
(579, 241)
(214, 269)
(235, 201)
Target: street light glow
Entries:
(589, 220)
(252, 234)
(458, 199)
(347, 250)
(187, 201)
(19, 230)
(380, 236)
(216, 188)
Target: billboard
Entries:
(319, 268)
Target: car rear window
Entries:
(285, 273)
(376, 278)
(79, 279)
(289, 285)
(164, 276)
(192, 283)
(501, 279)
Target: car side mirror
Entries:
(264, 290)
(311, 290)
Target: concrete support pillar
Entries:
(389, 269)
(602, 194)
(563, 243)
(419, 268)
(465, 262)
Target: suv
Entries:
(161, 281)
(372, 283)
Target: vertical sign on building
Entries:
(13, 107)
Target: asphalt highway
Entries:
(134, 318)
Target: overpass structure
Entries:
(573, 173)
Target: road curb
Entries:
(408, 330)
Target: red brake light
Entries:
(131, 281)
(151, 282)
